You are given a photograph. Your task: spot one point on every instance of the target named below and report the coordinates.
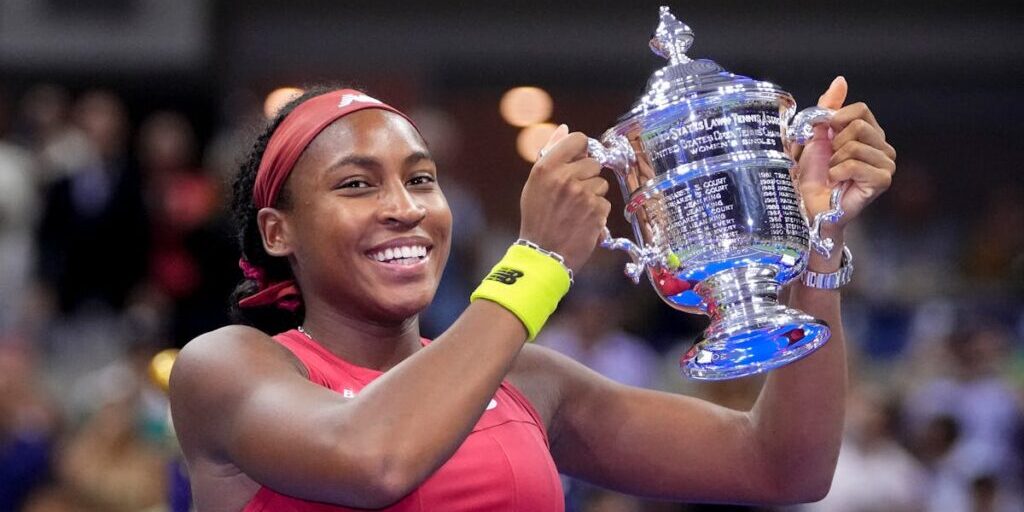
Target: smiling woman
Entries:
(270, 298)
(326, 398)
(364, 185)
(344, 233)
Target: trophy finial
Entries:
(672, 38)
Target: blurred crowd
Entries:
(115, 243)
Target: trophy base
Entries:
(750, 331)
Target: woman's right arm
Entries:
(239, 397)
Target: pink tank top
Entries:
(504, 464)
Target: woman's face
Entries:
(368, 227)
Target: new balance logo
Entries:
(505, 275)
(348, 99)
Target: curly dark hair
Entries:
(269, 319)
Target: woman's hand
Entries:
(856, 153)
(563, 204)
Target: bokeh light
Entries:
(278, 98)
(532, 138)
(523, 106)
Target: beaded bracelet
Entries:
(551, 254)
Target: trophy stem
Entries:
(742, 291)
(750, 331)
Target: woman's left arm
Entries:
(784, 450)
(799, 415)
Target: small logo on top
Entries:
(505, 275)
(348, 99)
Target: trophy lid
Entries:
(684, 79)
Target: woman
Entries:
(345, 233)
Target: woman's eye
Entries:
(422, 180)
(355, 184)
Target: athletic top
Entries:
(504, 464)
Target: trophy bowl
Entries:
(719, 224)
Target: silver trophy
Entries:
(721, 228)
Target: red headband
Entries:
(298, 129)
(286, 145)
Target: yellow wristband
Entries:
(527, 283)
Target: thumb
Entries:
(835, 96)
(560, 133)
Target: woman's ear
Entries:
(274, 229)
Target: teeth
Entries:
(412, 253)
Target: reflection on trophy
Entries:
(718, 222)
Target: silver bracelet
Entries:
(833, 280)
(551, 254)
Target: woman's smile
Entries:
(402, 257)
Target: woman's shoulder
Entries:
(216, 375)
(232, 350)
(231, 342)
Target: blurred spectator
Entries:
(92, 246)
(192, 260)
(118, 458)
(126, 378)
(974, 410)
(45, 128)
(874, 472)
(28, 422)
(994, 260)
(18, 211)
(909, 251)
(110, 466)
(93, 233)
(905, 257)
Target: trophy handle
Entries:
(801, 128)
(800, 131)
(825, 245)
(642, 257)
(615, 153)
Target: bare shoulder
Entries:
(215, 371)
(218, 355)
(550, 380)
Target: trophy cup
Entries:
(720, 227)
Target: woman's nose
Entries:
(400, 207)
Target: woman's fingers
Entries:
(862, 175)
(563, 207)
(862, 131)
(597, 186)
(850, 113)
(857, 150)
(584, 168)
